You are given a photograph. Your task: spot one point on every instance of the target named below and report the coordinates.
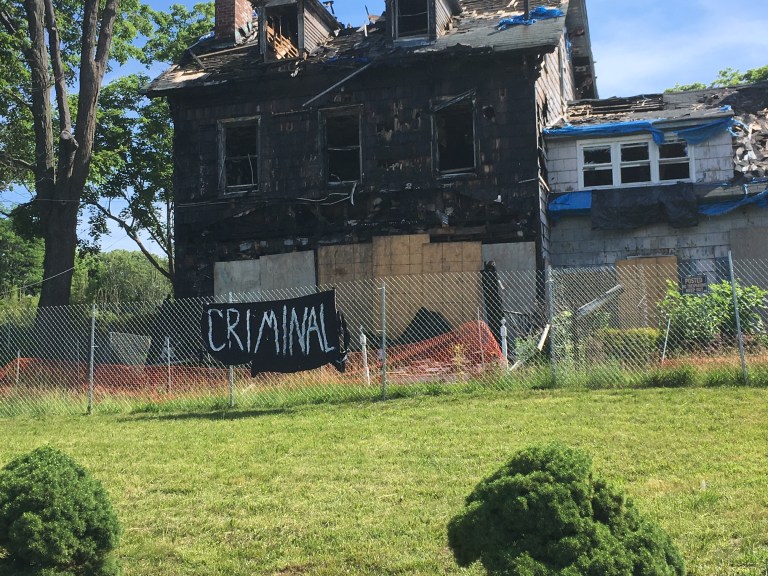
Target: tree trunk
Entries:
(60, 230)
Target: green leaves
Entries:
(697, 320)
(727, 77)
(55, 518)
(544, 513)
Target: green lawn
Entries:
(368, 488)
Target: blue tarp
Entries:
(699, 134)
(695, 135)
(571, 203)
(539, 13)
(611, 129)
(720, 208)
(580, 203)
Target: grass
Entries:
(367, 488)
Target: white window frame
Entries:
(653, 154)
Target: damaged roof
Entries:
(673, 106)
(746, 105)
(474, 29)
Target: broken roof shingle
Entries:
(474, 29)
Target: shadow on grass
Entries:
(233, 414)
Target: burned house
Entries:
(309, 153)
(676, 180)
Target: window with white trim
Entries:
(633, 162)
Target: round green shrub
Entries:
(544, 514)
(55, 519)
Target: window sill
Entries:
(637, 185)
(461, 175)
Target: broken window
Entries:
(635, 161)
(240, 150)
(674, 163)
(342, 141)
(282, 32)
(455, 126)
(598, 169)
(412, 18)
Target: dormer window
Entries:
(281, 24)
(412, 18)
(633, 161)
(420, 21)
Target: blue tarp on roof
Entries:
(699, 134)
(695, 135)
(610, 129)
(538, 13)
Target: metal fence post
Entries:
(364, 348)
(549, 288)
(739, 335)
(231, 376)
(480, 340)
(91, 359)
(18, 366)
(383, 340)
(503, 337)
(168, 363)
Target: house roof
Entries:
(207, 63)
(693, 105)
(742, 109)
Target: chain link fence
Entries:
(644, 322)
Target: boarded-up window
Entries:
(342, 140)
(455, 125)
(282, 32)
(240, 151)
(412, 18)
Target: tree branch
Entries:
(17, 162)
(16, 98)
(108, 18)
(8, 23)
(60, 83)
(135, 237)
(37, 57)
(67, 145)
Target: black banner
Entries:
(278, 336)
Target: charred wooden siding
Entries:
(400, 191)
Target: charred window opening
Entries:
(342, 141)
(240, 150)
(455, 125)
(282, 32)
(412, 18)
